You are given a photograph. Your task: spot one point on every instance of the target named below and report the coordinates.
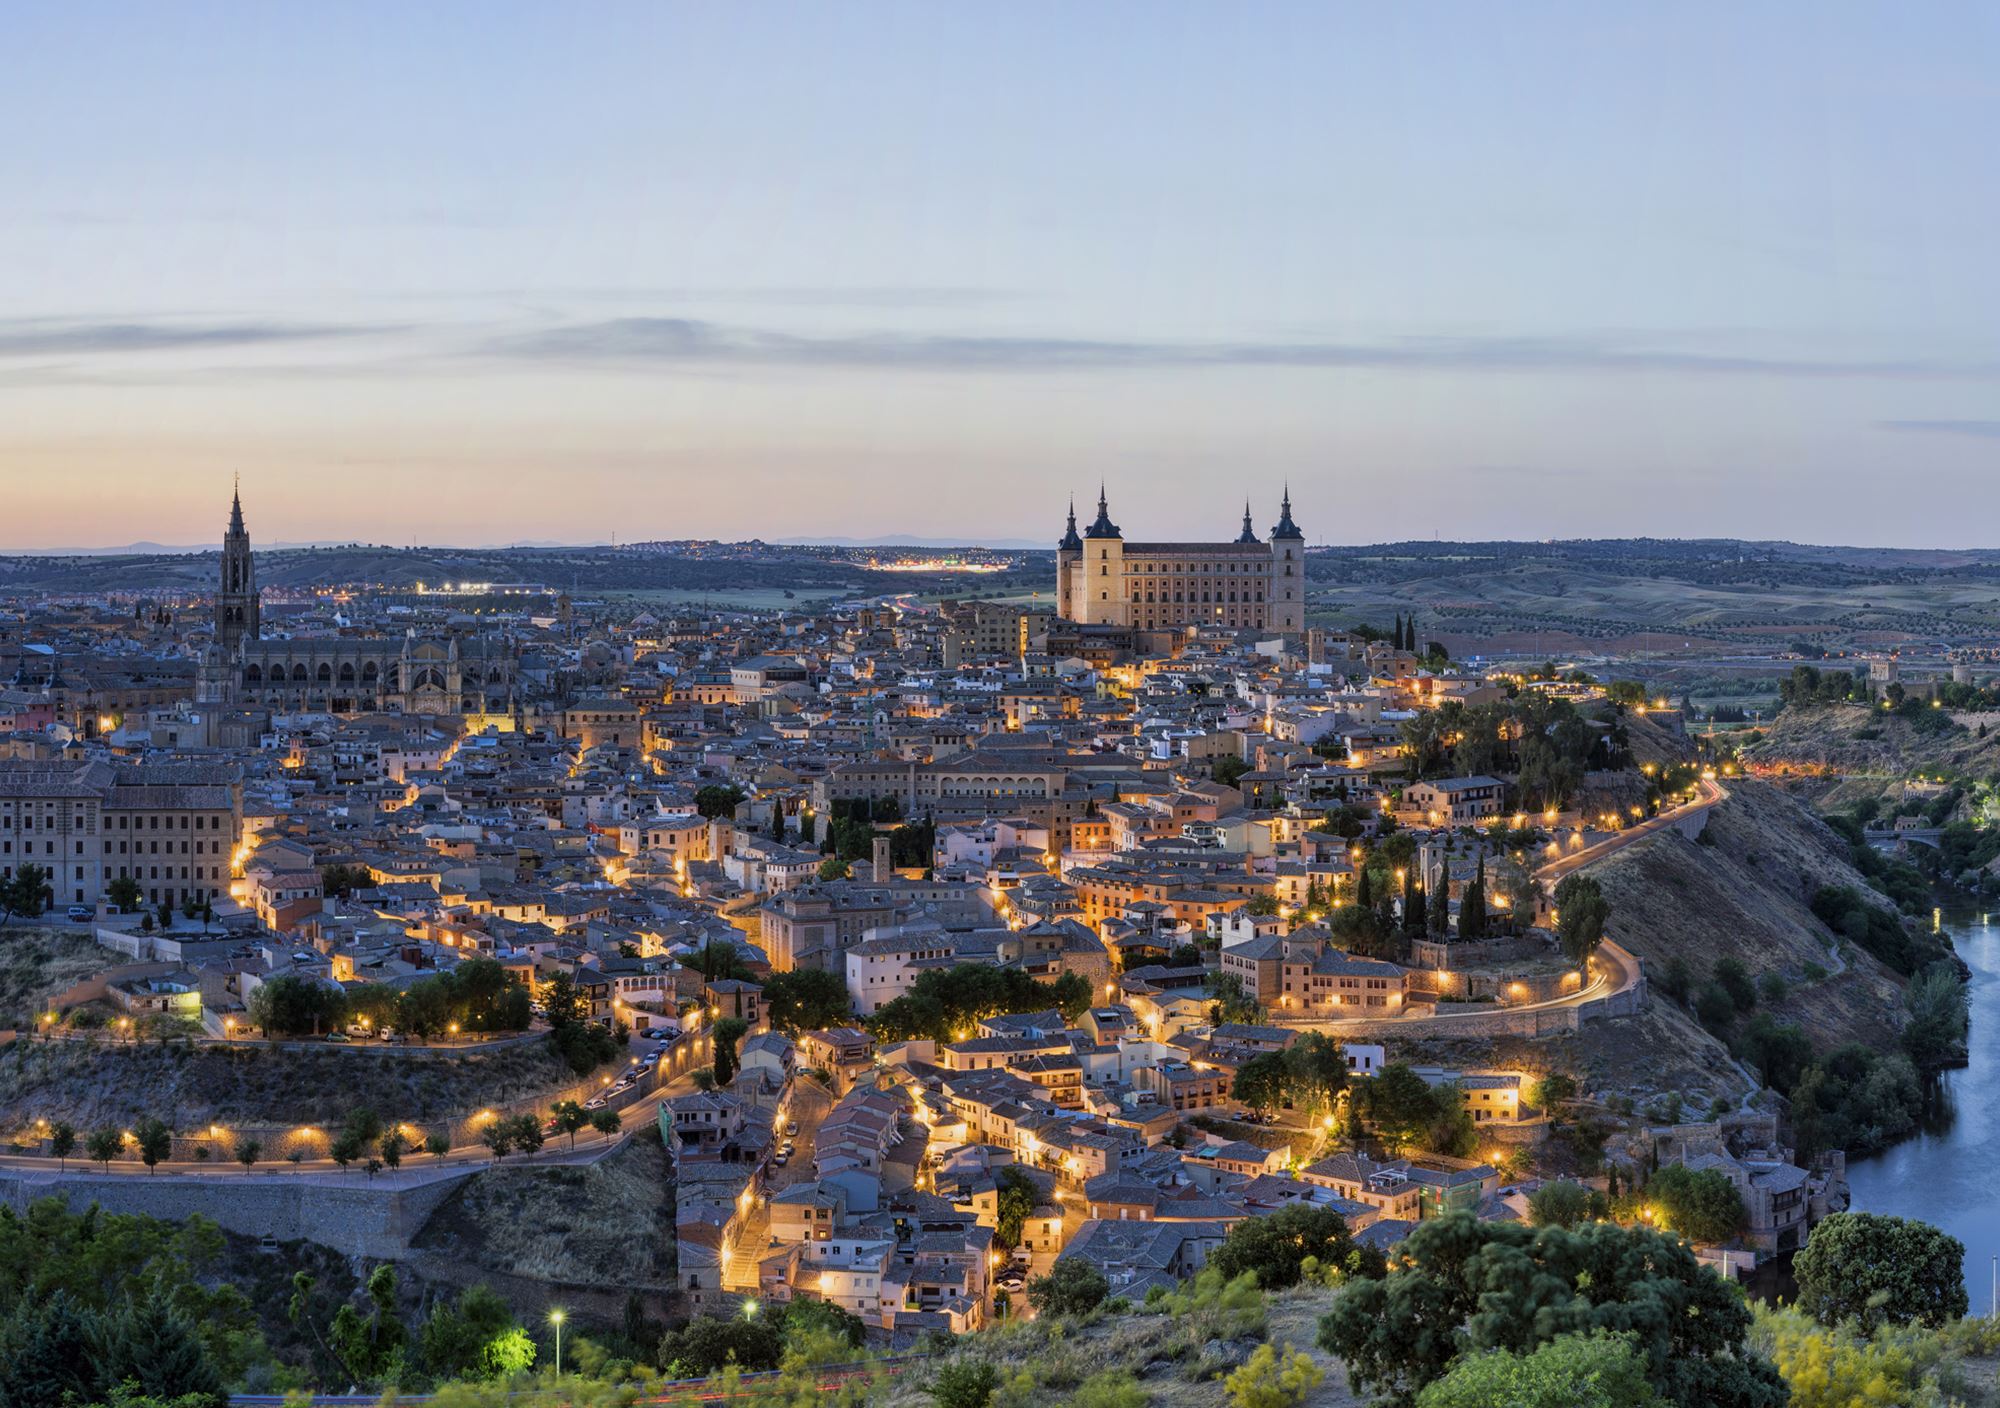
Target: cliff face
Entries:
(1747, 896)
(1744, 896)
(1839, 753)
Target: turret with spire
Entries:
(1249, 533)
(1103, 527)
(1285, 527)
(1070, 541)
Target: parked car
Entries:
(596, 1102)
(792, 1128)
(782, 1159)
(337, 1036)
(81, 913)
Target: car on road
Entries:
(792, 1128)
(596, 1102)
(650, 1060)
(782, 1159)
(81, 913)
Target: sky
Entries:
(491, 272)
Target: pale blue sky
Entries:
(491, 271)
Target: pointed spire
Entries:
(1286, 528)
(236, 507)
(1249, 533)
(1103, 527)
(1070, 541)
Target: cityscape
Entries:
(1133, 709)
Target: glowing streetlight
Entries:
(556, 1319)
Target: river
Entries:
(1950, 1174)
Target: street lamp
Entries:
(556, 1319)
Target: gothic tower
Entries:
(237, 613)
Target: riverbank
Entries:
(1948, 1172)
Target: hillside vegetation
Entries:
(37, 963)
(607, 1223)
(93, 1085)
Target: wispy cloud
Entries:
(42, 337)
(1976, 429)
(690, 341)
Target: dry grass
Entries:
(38, 963)
(608, 1223)
(94, 1086)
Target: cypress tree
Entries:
(1472, 909)
(1414, 918)
(1361, 895)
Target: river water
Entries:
(1950, 1174)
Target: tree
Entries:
(437, 1143)
(103, 1147)
(1599, 1370)
(155, 1142)
(524, 1132)
(1016, 1204)
(1072, 1287)
(705, 1344)
(1581, 910)
(52, 1353)
(1472, 906)
(1935, 1034)
(124, 894)
(291, 1005)
(367, 1346)
(1880, 1270)
(1266, 1380)
(569, 1117)
(1700, 1204)
(498, 1136)
(1565, 1204)
(1409, 1113)
(26, 892)
(1277, 1248)
(62, 1142)
(606, 1122)
(718, 800)
(833, 868)
(153, 1346)
(1465, 1287)
(1315, 1072)
(965, 1383)
(727, 1033)
(806, 999)
(1734, 979)
(1260, 1082)
(476, 1338)
(392, 1150)
(247, 1151)
(1228, 769)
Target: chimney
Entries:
(881, 859)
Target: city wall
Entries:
(348, 1213)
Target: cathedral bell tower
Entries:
(237, 613)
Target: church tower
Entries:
(1288, 572)
(237, 613)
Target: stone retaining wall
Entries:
(349, 1213)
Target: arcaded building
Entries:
(1248, 584)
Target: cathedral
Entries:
(1248, 584)
(407, 674)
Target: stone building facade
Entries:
(1248, 584)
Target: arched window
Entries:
(253, 675)
(298, 674)
(347, 672)
(325, 673)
